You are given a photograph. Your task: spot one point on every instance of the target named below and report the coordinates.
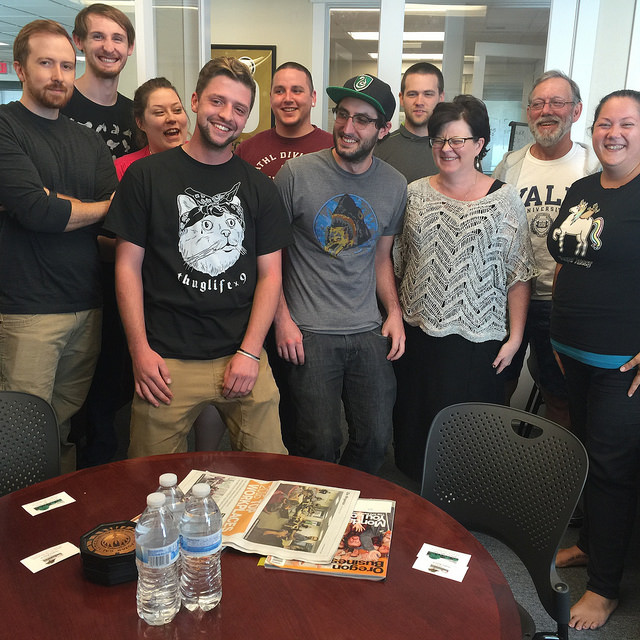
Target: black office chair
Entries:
(29, 441)
(515, 476)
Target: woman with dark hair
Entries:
(464, 260)
(594, 331)
(161, 120)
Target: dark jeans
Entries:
(610, 420)
(536, 334)
(112, 385)
(433, 374)
(344, 369)
(280, 369)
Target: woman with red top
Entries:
(161, 119)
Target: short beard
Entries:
(98, 72)
(549, 139)
(212, 144)
(59, 102)
(363, 150)
(414, 123)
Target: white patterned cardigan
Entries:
(456, 261)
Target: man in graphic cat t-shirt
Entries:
(198, 277)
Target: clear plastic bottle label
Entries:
(161, 556)
(201, 545)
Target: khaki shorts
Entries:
(253, 420)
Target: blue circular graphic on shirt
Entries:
(346, 222)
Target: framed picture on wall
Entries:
(261, 60)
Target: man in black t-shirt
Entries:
(106, 38)
(198, 277)
(55, 184)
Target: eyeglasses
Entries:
(360, 121)
(454, 143)
(555, 103)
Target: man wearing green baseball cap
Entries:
(345, 207)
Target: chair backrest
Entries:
(29, 441)
(514, 476)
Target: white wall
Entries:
(284, 23)
(611, 51)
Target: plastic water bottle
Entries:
(200, 548)
(157, 554)
(175, 497)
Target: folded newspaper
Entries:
(292, 520)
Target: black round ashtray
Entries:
(109, 553)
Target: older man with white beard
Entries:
(542, 172)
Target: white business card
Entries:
(47, 504)
(49, 557)
(442, 562)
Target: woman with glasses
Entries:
(464, 260)
(594, 330)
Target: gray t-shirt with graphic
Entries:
(337, 217)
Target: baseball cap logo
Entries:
(362, 82)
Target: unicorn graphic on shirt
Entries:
(583, 226)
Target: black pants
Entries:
(432, 374)
(610, 421)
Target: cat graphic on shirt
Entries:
(211, 230)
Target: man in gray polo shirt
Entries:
(407, 148)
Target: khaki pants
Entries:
(252, 420)
(52, 356)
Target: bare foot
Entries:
(571, 557)
(591, 611)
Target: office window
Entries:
(492, 50)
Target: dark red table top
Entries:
(58, 603)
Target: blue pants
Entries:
(350, 369)
(610, 420)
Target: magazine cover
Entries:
(293, 520)
(363, 551)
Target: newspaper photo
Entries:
(363, 550)
(292, 520)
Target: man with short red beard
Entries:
(542, 172)
(56, 181)
(106, 38)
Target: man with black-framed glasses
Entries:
(542, 172)
(345, 207)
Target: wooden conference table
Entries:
(59, 603)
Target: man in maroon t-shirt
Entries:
(292, 97)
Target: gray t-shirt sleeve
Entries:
(284, 183)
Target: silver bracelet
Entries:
(249, 355)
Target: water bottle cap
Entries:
(156, 499)
(201, 490)
(168, 480)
